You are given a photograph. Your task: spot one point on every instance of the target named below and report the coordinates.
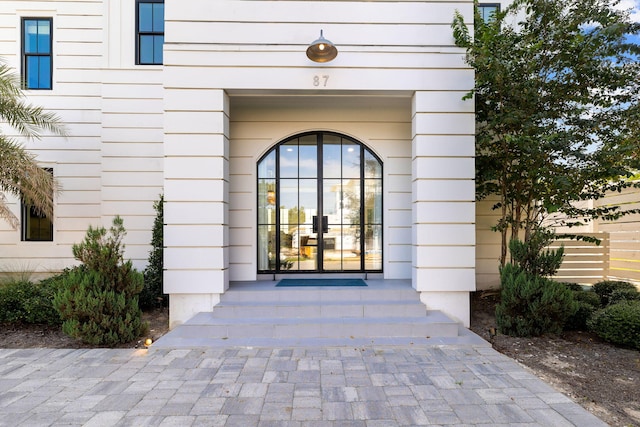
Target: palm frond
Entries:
(6, 214)
(20, 174)
(27, 119)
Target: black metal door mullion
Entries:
(277, 226)
(362, 207)
(320, 213)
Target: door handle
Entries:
(324, 227)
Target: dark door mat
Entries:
(321, 282)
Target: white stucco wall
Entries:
(381, 123)
(253, 53)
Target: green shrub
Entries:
(605, 288)
(95, 312)
(587, 303)
(573, 286)
(619, 295)
(23, 301)
(588, 297)
(618, 323)
(532, 257)
(532, 305)
(152, 294)
(98, 301)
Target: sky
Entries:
(632, 4)
(635, 14)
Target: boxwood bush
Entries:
(618, 323)
(23, 301)
(606, 288)
(619, 295)
(587, 303)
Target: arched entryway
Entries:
(319, 206)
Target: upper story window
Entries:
(37, 63)
(36, 227)
(488, 10)
(149, 31)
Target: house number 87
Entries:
(320, 80)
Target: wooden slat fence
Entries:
(617, 257)
(624, 237)
(584, 262)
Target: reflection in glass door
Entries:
(319, 206)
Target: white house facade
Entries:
(271, 164)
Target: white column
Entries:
(443, 196)
(196, 189)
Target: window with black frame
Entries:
(149, 31)
(36, 227)
(37, 64)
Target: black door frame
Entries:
(320, 206)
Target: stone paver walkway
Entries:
(337, 386)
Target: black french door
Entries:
(319, 206)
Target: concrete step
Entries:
(317, 294)
(172, 340)
(206, 326)
(259, 313)
(310, 309)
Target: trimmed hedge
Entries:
(618, 324)
(606, 288)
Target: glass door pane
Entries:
(307, 239)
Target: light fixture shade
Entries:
(321, 50)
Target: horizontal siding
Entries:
(75, 98)
(112, 161)
(359, 58)
(316, 12)
(132, 154)
(348, 35)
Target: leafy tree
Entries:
(20, 174)
(557, 97)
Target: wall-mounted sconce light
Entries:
(321, 50)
